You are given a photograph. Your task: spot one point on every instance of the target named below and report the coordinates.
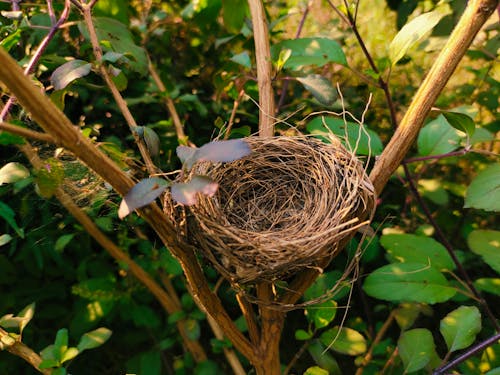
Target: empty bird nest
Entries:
(283, 208)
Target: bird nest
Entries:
(283, 208)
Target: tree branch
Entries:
(26, 133)
(474, 17)
(264, 68)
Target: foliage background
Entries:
(203, 51)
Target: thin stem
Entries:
(296, 357)
(437, 157)
(469, 353)
(264, 68)
(26, 133)
(233, 114)
(122, 104)
(449, 248)
(284, 88)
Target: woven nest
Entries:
(285, 207)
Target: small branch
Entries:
(437, 157)
(284, 88)
(26, 133)
(23, 351)
(122, 104)
(474, 17)
(41, 48)
(233, 114)
(169, 103)
(442, 238)
(469, 353)
(264, 68)
(249, 314)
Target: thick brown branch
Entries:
(264, 68)
(54, 122)
(474, 17)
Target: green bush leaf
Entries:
(320, 87)
(322, 314)
(63, 241)
(301, 335)
(438, 137)
(416, 348)
(69, 354)
(142, 194)
(68, 72)
(460, 327)
(8, 215)
(433, 190)
(316, 370)
(362, 140)
(490, 285)
(347, 341)
(309, 51)
(484, 191)
(192, 329)
(242, 58)
(234, 13)
(460, 121)
(486, 243)
(408, 282)
(412, 33)
(409, 248)
(13, 172)
(323, 358)
(94, 339)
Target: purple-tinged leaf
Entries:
(68, 72)
(142, 194)
(186, 154)
(152, 141)
(223, 151)
(186, 193)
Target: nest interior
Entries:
(283, 208)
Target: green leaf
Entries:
(94, 339)
(115, 36)
(26, 314)
(309, 51)
(407, 313)
(484, 191)
(460, 327)
(68, 72)
(187, 192)
(192, 329)
(152, 141)
(12, 40)
(301, 335)
(142, 194)
(320, 88)
(5, 239)
(49, 177)
(408, 282)
(490, 285)
(344, 340)
(234, 13)
(409, 248)
(416, 348)
(322, 314)
(242, 58)
(59, 371)
(60, 344)
(356, 138)
(460, 121)
(69, 354)
(438, 137)
(433, 190)
(486, 243)
(315, 370)
(8, 215)
(323, 358)
(13, 172)
(63, 241)
(412, 33)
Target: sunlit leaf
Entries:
(433, 190)
(309, 51)
(344, 340)
(316, 370)
(68, 72)
(438, 137)
(460, 327)
(69, 354)
(361, 140)
(408, 282)
(186, 192)
(142, 194)
(94, 339)
(322, 314)
(409, 248)
(13, 172)
(412, 33)
(484, 191)
(320, 88)
(416, 348)
(26, 315)
(60, 343)
(5, 239)
(489, 285)
(460, 121)
(486, 243)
